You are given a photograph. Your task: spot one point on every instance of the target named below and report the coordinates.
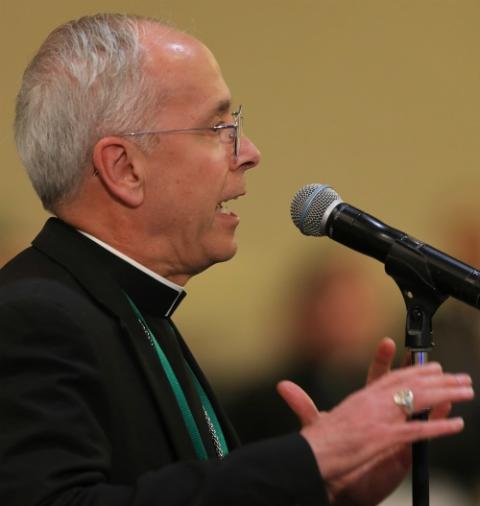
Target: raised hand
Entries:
(362, 445)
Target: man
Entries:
(126, 129)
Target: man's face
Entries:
(190, 174)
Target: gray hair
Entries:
(85, 82)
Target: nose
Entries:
(249, 155)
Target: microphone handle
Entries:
(365, 234)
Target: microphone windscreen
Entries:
(311, 207)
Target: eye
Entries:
(224, 119)
(226, 132)
(230, 133)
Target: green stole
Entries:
(214, 426)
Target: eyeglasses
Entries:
(228, 132)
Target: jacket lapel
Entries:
(77, 255)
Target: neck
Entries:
(130, 240)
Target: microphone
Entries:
(318, 210)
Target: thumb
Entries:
(382, 359)
(298, 401)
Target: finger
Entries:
(382, 359)
(430, 369)
(407, 376)
(418, 430)
(298, 401)
(437, 396)
(441, 411)
(441, 390)
(446, 380)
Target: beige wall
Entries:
(379, 98)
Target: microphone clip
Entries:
(409, 268)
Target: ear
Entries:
(118, 164)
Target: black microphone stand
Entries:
(411, 273)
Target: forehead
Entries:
(187, 71)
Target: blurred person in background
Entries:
(456, 329)
(331, 311)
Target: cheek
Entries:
(194, 214)
(190, 181)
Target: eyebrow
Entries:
(222, 107)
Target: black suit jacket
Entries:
(87, 416)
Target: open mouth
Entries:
(222, 207)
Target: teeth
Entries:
(222, 208)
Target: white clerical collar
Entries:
(133, 262)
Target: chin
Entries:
(223, 252)
(228, 255)
(213, 252)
